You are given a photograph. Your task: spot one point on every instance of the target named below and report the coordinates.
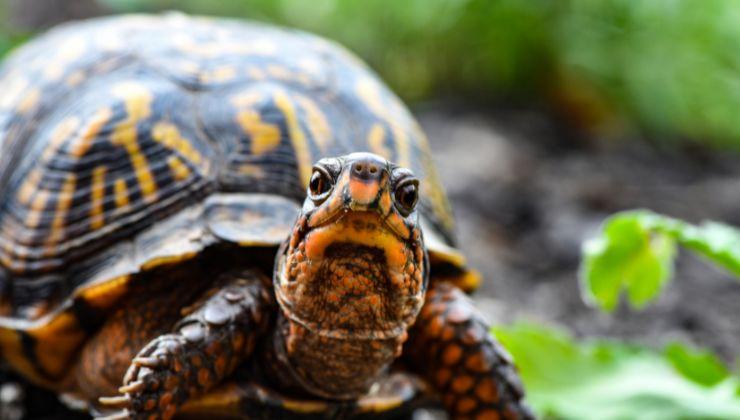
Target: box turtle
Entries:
(155, 258)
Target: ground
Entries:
(526, 192)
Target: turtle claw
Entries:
(133, 387)
(119, 401)
(119, 415)
(149, 362)
(150, 384)
(203, 349)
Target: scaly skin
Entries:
(451, 344)
(201, 351)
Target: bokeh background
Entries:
(545, 117)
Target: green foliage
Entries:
(608, 380)
(636, 250)
(669, 65)
(421, 47)
(702, 367)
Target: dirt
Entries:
(526, 193)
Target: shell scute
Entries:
(116, 160)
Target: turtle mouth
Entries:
(363, 228)
(351, 276)
(353, 210)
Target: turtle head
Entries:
(355, 265)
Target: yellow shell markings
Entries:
(279, 72)
(121, 196)
(138, 100)
(169, 136)
(369, 92)
(64, 202)
(75, 78)
(297, 137)
(251, 170)
(18, 94)
(432, 188)
(255, 73)
(189, 67)
(246, 99)
(220, 48)
(29, 186)
(179, 170)
(265, 137)
(286, 74)
(97, 196)
(218, 75)
(29, 101)
(61, 133)
(376, 139)
(30, 193)
(80, 145)
(66, 53)
(38, 205)
(317, 122)
(15, 89)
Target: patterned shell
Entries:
(110, 127)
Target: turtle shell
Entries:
(131, 142)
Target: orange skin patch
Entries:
(362, 192)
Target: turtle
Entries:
(215, 217)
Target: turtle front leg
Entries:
(450, 343)
(216, 334)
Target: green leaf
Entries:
(700, 366)
(718, 242)
(635, 253)
(609, 380)
(626, 256)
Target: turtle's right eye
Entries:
(320, 185)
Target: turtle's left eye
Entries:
(407, 194)
(320, 185)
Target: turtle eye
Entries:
(320, 184)
(407, 194)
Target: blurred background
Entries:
(545, 117)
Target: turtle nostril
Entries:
(366, 170)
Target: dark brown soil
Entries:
(527, 193)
